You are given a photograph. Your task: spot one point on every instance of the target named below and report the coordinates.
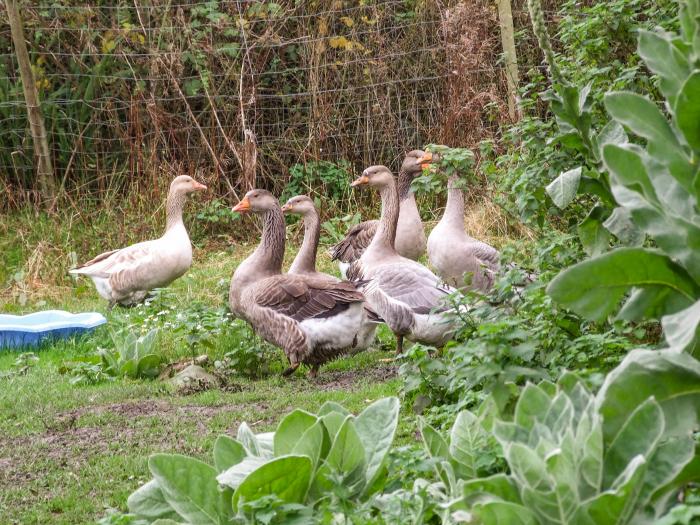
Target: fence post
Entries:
(47, 184)
(505, 17)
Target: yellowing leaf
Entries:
(347, 21)
(108, 45)
(340, 42)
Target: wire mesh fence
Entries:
(236, 92)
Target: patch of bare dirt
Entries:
(342, 380)
(67, 444)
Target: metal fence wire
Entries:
(239, 91)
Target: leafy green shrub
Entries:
(595, 42)
(23, 364)
(328, 178)
(246, 354)
(133, 355)
(657, 187)
(85, 372)
(309, 458)
(213, 217)
(615, 458)
(512, 335)
(451, 161)
(334, 229)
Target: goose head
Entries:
(415, 161)
(299, 205)
(184, 185)
(257, 201)
(375, 176)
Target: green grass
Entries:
(68, 453)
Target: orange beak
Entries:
(242, 206)
(426, 160)
(198, 186)
(360, 181)
(287, 208)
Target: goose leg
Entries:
(291, 370)
(111, 305)
(399, 344)
(313, 373)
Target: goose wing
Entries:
(305, 297)
(486, 254)
(413, 285)
(356, 240)
(127, 269)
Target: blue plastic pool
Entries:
(29, 330)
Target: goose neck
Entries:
(386, 232)
(405, 180)
(173, 209)
(270, 252)
(305, 261)
(454, 210)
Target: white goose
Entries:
(125, 276)
(408, 296)
(455, 254)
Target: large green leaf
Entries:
(247, 438)
(626, 162)
(148, 503)
(638, 436)
(665, 467)
(612, 133)
(376, 426)
(190, 487)
(438, 449)
(591, 459)
(671, 226)
(595, 238)
(235, 475)
(499, 486)
(621, 226)
(548, 505)
(466, 438)
(670, 376)
(502, 513)
(532, 406)
(347, 451)
(526, 465)
(689, 10)
(595, 287)
(330, 407)
(291, 429)
(333, 421)
(287, 477)
(617, 505)
(148, 366)
(651, 302)
(688, 111)
(665, 59)
(563, 189)
(645, 119)
(434, 443)
(227, 453)
(314, 443)
(345, 458)
(682, 329)
(642, 116)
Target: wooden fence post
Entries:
(505, 17)
(45, 176)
